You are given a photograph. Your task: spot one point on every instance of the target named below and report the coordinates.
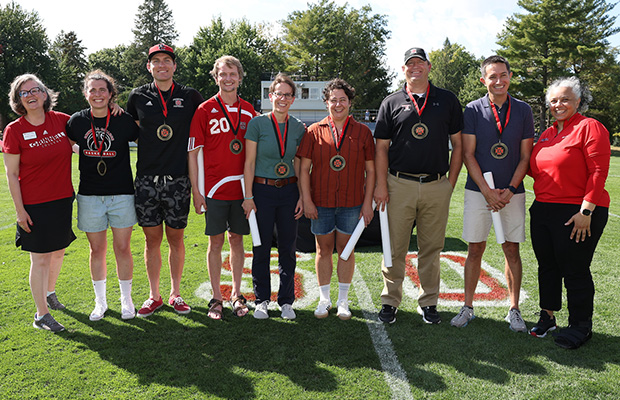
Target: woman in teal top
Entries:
(271, 171)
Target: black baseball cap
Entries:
(415, 52)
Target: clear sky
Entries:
(413, 23)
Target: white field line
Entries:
(7, 226)
(394, 374)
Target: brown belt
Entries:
(417, 178)
(276, 182)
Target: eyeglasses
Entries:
(33, 91)
(287, 96)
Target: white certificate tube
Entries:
(497, 221)
(201, 176)
(385, 237)
(252, 220)
(355, 236)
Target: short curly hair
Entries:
(336, 84)
(16, 102)
(99, 75)
(578, 88)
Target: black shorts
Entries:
(162, 198)
(51, 228)
(223, 215)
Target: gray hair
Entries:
(579, 90)
(15, 100)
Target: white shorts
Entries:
(477, 218)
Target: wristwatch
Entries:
(512, 189)
(586, 212)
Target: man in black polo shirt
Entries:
(414, 127)
(163, 109)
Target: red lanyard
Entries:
(415, 103)
(164, 104)
(338, 138)
(279, 136)
(500, 128)
(221, 103)
(92, 126)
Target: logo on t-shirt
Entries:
(148, 103)
(213, 111)
(178, 102)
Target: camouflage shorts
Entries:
(162, 198)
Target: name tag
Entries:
(30, 135)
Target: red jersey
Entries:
(214, 130)
(572, 165)
(45, 157)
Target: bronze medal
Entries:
(419, 130)
(235, 146)
(337, 163)
(281, 169)
(164, 132)
(499, 151)
(102, 168)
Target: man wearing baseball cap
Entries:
(416, 175)
(163, 109)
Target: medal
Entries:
(164, 132)
(499, 151)
(419, 130)
(281, 169)
(235, 146)
(102, 168)
(337, 163)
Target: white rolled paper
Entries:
(355, 236)
(201, 175)
(497, 221)
(252, 220)
(385, 237)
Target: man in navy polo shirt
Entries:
(414, 128)
(497, 137)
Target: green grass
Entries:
(193, 357)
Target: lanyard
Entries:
(498, 122)
(99, 146)
(279, 136)
(164, 104)
(234, 129)
(338, 138)
(415, 103)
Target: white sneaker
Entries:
(322, 309)
(98, 312)
(128, 311)
(516, 322)
(260, 312)
(343, 310)
(288, 312)
(463, 317)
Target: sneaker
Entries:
(429, 314)
(343, 310)
(463, 317)
(387, 314)
(99, 311)
(179, 305)
(516, 322)
(150, 306)
(128, 311)
(545, 325)
(322, 309)
(260, 312)
(48, 323)
(53, 303)
(288, 312)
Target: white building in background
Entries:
(308, 106)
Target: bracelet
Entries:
(512, 189)
(248, 198)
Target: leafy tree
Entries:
(328, 41)
(154, 24)
(472, 87)
(67, 53)
(23, 48)
(555, 38)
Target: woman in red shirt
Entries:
(37, 159)
(569, 164)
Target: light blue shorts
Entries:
(96, 213)
(342, 219)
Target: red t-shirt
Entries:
(213, 131)
(343, 188)
(45, 157)
(572, 166)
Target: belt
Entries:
(276, 182)
(417, 178)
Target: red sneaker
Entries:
(150, 306)
(179, 305)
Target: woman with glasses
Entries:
(37, 159)
(271, 191)
(337, 178)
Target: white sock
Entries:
(53, 291)
(324, 292)
(125, 288)
(100, 287)
(343, 291)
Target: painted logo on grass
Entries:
(491, 290)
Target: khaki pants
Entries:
(427, 204)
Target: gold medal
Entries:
(164, 132)
(419, 130)
(102, 168)
(235, 146)
(281, 169)
(337, 163)
(499, 151)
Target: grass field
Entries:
(168, 356)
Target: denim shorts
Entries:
(96, 213)
(342, 219)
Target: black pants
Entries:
(560, 257)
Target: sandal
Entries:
(239, 306)
(572, 337)
(215, 309)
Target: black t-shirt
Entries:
(442, 115)
(156, 156)
(115, 152)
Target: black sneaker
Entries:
(48, 323)
(429, 314)
(387, 314)
(53, 303)
(545, 325)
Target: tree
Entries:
(154, 24)
(67, 53)
(555, 38)
(328, 41)
(24, 45)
